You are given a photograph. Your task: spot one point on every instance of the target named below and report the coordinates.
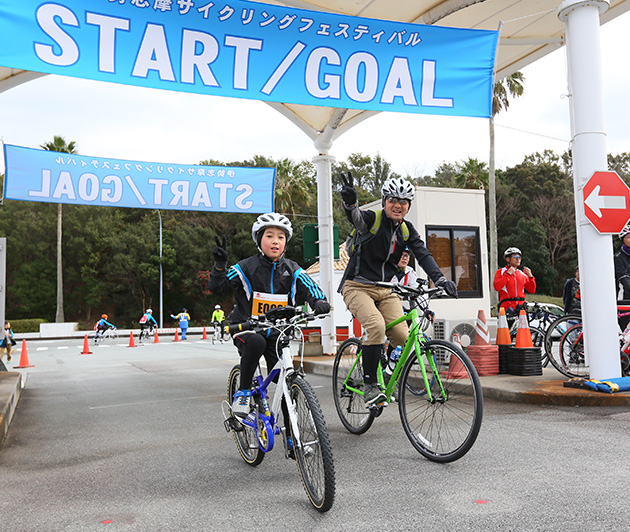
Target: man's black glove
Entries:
(348, 192)
(220, 253)
(321, 307)
(448, 286)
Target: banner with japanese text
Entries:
(51, 177)
(257, 51)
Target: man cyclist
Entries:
(147, 320)
(511, 282)
(376, 258)
(218, 317)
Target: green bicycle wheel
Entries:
(246, 440)
(347, 380)
(442, 425)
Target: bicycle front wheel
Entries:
(246, 439)
(443, 421)
(313, 452)
(347, 380)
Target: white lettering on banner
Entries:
(201, 61)
(180, 193)
(323, 73)
(240, 199)
(69, 53)
(45, 191)
(154, 55)
(107, 38)
(88, 181)
(223, 188)
(428, 87)
(64, 187)
(202, 196)
(241, 57)
(135, 190)
(157, 194)
(107, 195)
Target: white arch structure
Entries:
(529, 30)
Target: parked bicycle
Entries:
(564, 344)
(304, 436)
(440, 400)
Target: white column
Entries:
(325, 223)
(595, 251)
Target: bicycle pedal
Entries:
(233, 423)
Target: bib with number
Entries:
(263, 303)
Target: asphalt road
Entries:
(133, 439)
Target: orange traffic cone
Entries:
(503, 331)
(482, 334)
(176, 339)
(205, 335)
(156, 338)
(86, 346)
(24, 363)
(131, 341)
(523, 334)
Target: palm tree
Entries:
(59, 145)
(472, 174)
(512, 85)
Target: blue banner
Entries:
(257, 51)
(47, 176)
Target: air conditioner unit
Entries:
(447, 329)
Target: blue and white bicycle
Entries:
(304, 437)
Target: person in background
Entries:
(511, 282)
(7, 341)
(101, 326)
(183, 317)
(406, 275)
(218, 317)
(571, 294)
(147, 320)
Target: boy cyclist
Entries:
(259, 282)
(101, 326)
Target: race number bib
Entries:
(263, 303)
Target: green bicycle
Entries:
(440, 400)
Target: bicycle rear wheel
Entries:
(313, 452)
(571, 353)
(246, 440)
(348, 375)
(444, 427)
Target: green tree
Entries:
(473, 174)
(59, 144)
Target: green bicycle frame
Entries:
(413, 342)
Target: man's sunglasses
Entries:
(402, 201)
(516, 256)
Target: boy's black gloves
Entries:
(220, 253)
(348, 192)
(448, 286)
(321, 307)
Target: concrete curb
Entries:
(10, 390)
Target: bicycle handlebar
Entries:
(290, 315)
(412, 292)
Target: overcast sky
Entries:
(109, 120)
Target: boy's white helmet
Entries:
(271, 219)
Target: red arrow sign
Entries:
(607, 202)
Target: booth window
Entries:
(456, 250)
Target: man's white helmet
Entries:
(217, 307)
(271, 219)
(625, 231)
(512, 251)
(149, 311)
(398, 187)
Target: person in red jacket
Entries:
(509, 281)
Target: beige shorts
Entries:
(362, 299)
